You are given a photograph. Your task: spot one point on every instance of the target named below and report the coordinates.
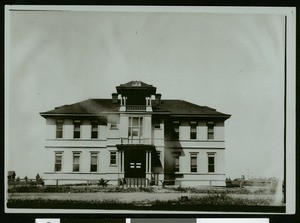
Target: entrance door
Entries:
(135, 164)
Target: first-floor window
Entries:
(94, 162)
(113, 158)
(76, 162)
(176, 162)
(211, 162)
(193, 162)
(58, 161)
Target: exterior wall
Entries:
(66, 175)
(109, 137)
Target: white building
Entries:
(135, 137)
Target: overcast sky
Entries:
(233, 62)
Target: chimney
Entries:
(114, 98)
(157, 98)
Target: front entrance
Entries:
(135, 163)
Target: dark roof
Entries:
(98, 106)
(87, 107)
(181, 107)
(136, 84)
(136, 88)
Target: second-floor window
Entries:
(135, 127)
(59, 129)
(176, 125)
(210, 130)
(193, 132)
(94, 130)
(77, 124)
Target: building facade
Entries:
(135, 137)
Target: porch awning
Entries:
(135, 147)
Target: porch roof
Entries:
(135, 147)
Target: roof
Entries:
(95, 107)
(137, 88)
(181, 107)
(136, 84)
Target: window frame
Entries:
(193, 130)
(113, 154)
(61, 122)
(76, 154)
(176, 162)
(193, 167)
(210, 131)
(94, 129)
(77, 129)
(135, 131)
(94, 154)
(176, 125)
(209, 165)
(56, 154)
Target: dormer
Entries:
(136, 96)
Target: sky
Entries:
(233, 62)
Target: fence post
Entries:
(56, 183)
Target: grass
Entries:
(217, 202)
(76, 189)
(114, 189)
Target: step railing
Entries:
(135, 182)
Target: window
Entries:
(135, 127)
(58, 161)
(59, 129)
(76, 162)
(176, 125)
(94, 130)
(113, 158)
(210, 130)
(211, 162)
(176, 162)
(157, 125)
(113, 126)
(94, 162)
(193, 133)
(77, 124)
(193, 162)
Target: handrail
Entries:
(135, 107)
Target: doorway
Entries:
(135, 163)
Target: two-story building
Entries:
(135, 137)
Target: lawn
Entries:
(150, 198)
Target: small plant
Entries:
(39, 180)
(103, 182)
